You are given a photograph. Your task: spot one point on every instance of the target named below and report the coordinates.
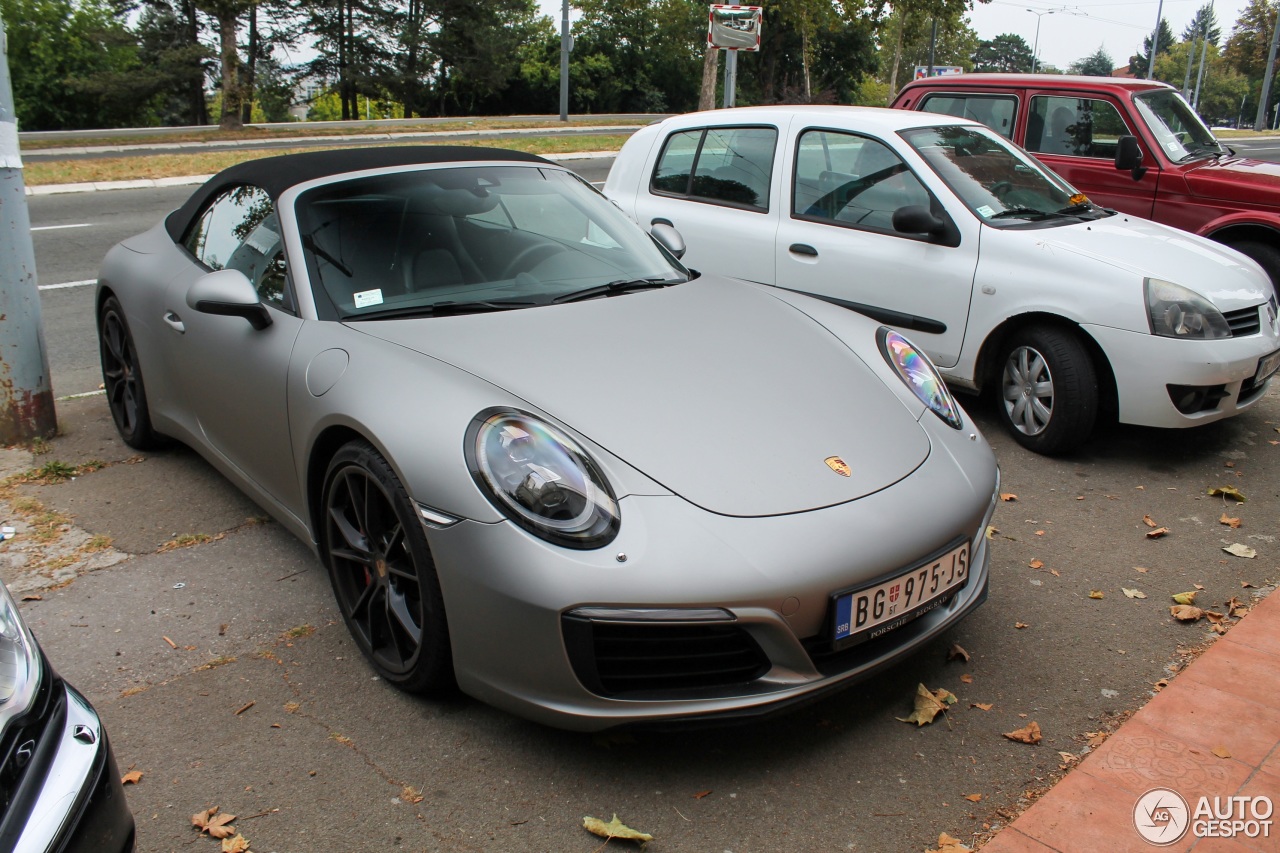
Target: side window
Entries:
(871, 183)
(1078, 127)
(241, 231)
(995, 111)
(730, 165)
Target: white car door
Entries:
(721, 189)
(836, 239)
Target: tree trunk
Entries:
(343, 96)
(246, 110)
(198, 108)
(710, 67)
(897, 57)
(230, 73)
(412, 32)
(804, 57)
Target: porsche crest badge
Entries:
(835, 463)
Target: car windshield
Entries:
(474, 238)
(999, 183)
(1176, 127)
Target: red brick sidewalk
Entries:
(1228, 698)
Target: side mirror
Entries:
(1129, 157)
(917, 219)
(228, 293)
(666, 234)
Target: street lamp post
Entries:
(1036, 50)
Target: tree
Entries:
(1195, 29)
(169, 35)
(1140, 65)
(1250, 40)
(1096, 64)
(227, 13)
(1006, 52)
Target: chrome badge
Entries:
(835, 463)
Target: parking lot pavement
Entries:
(210, 644)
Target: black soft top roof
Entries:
(277, 174)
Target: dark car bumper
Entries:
(68, 797)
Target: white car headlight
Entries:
(916, 370)
(541, 479)
(20, 666)
(1176, 312)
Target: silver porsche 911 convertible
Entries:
(539, 458)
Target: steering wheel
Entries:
(999, 188)
(524, 259)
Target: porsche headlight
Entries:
(541, 479)
(19, 662)
(1176, 312)
(919, 374)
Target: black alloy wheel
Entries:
(382, 572)
(122, 379)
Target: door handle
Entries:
(803, 249)
(175, 322)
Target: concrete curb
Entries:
(189, 180)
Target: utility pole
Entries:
(1204, 50)
(1260, 123)
(26, 397)
(1191, 55)
(1155, 42)
(566, 45)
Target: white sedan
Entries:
(1005, 275)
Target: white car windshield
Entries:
(1176, 126)
(1003, 185)
(467, 239)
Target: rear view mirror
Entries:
(666, 234)
(916, 219)
(230, 294)
(1129, 157)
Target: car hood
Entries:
(1148, 249)
(715, 389)
(1255, 183)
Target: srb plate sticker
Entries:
(872, 611)
(365, 298)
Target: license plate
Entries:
(1267, 365)
(867, 613)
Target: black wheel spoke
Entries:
(353, 537)
(360, 607)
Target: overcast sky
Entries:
(1072, 31)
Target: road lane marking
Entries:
(66, 284)
(56, 227)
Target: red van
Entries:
(1133, 145)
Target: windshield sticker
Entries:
(985, 211)
(365, 298)
(1172, 145)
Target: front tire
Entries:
(122, 379)
(1048, 389)
(382, 571)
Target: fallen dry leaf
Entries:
(1030, 733)
(1039, 532)
(1133, 593)
(1199, 586)
(1236, 607)
(1186, 597)
(1147, 520)
(1229, 521)
(967, 678)
(982, 706)
(1142, 569)
(1238, 550)
(613, 829)
(1068, 757)
(973, 798)
(411, 795)
(1095, 593)
(701, 794)
(1185, 612)
(957, 652)
(33, 596)
(1055, 573)
(1021, 625)
(1158, 533)
(1222, 752)
(236, 844)
(947, 844)
(1227, 492)
(1008, 496)
(133, 777)
(1036, 564)
(1095, 739)
(991, 532)
(1215, 617)
(213, 823)
(928, 705)
(1161, 684)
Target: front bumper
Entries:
(68, 797)
(1145, 365)
(507, 593)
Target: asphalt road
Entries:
(263, 706)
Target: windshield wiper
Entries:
(1022, 213)
(622, 285)
(309, 243)
(440, 309)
